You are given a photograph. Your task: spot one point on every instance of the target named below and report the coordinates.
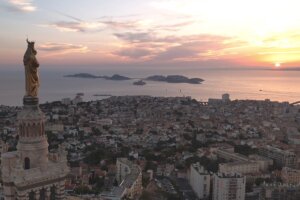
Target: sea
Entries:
(276, 85)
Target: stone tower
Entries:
(32, 172)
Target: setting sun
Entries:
(277, 65)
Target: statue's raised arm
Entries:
(31, 70)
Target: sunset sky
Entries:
(204, 33)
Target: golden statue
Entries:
(31, 73)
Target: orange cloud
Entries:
(77, 26)
(62, 48)
(153, 47)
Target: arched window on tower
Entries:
(43, 194)
(32, 195)
(53, 193)
(27, 163)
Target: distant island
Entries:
(82, 75)
(117, 77)
(140, 82)
(102, 95)
(175, 79)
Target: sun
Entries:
(277, 65)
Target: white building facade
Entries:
(239, 167)
(129, 177)
(229, 186)
(199, 180)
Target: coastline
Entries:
(275, 85)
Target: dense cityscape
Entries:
(142, 147)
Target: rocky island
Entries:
(82, 75)
(140, 82)
(115, 77)
(175, 79)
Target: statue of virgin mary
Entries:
(31, 70)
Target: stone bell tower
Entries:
(32, 172)
(32, 145)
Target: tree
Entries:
(192, 160)
(210, 165)
(82, 190)
(94, 157)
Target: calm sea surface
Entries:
(240, 84)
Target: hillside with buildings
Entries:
(171, 147)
